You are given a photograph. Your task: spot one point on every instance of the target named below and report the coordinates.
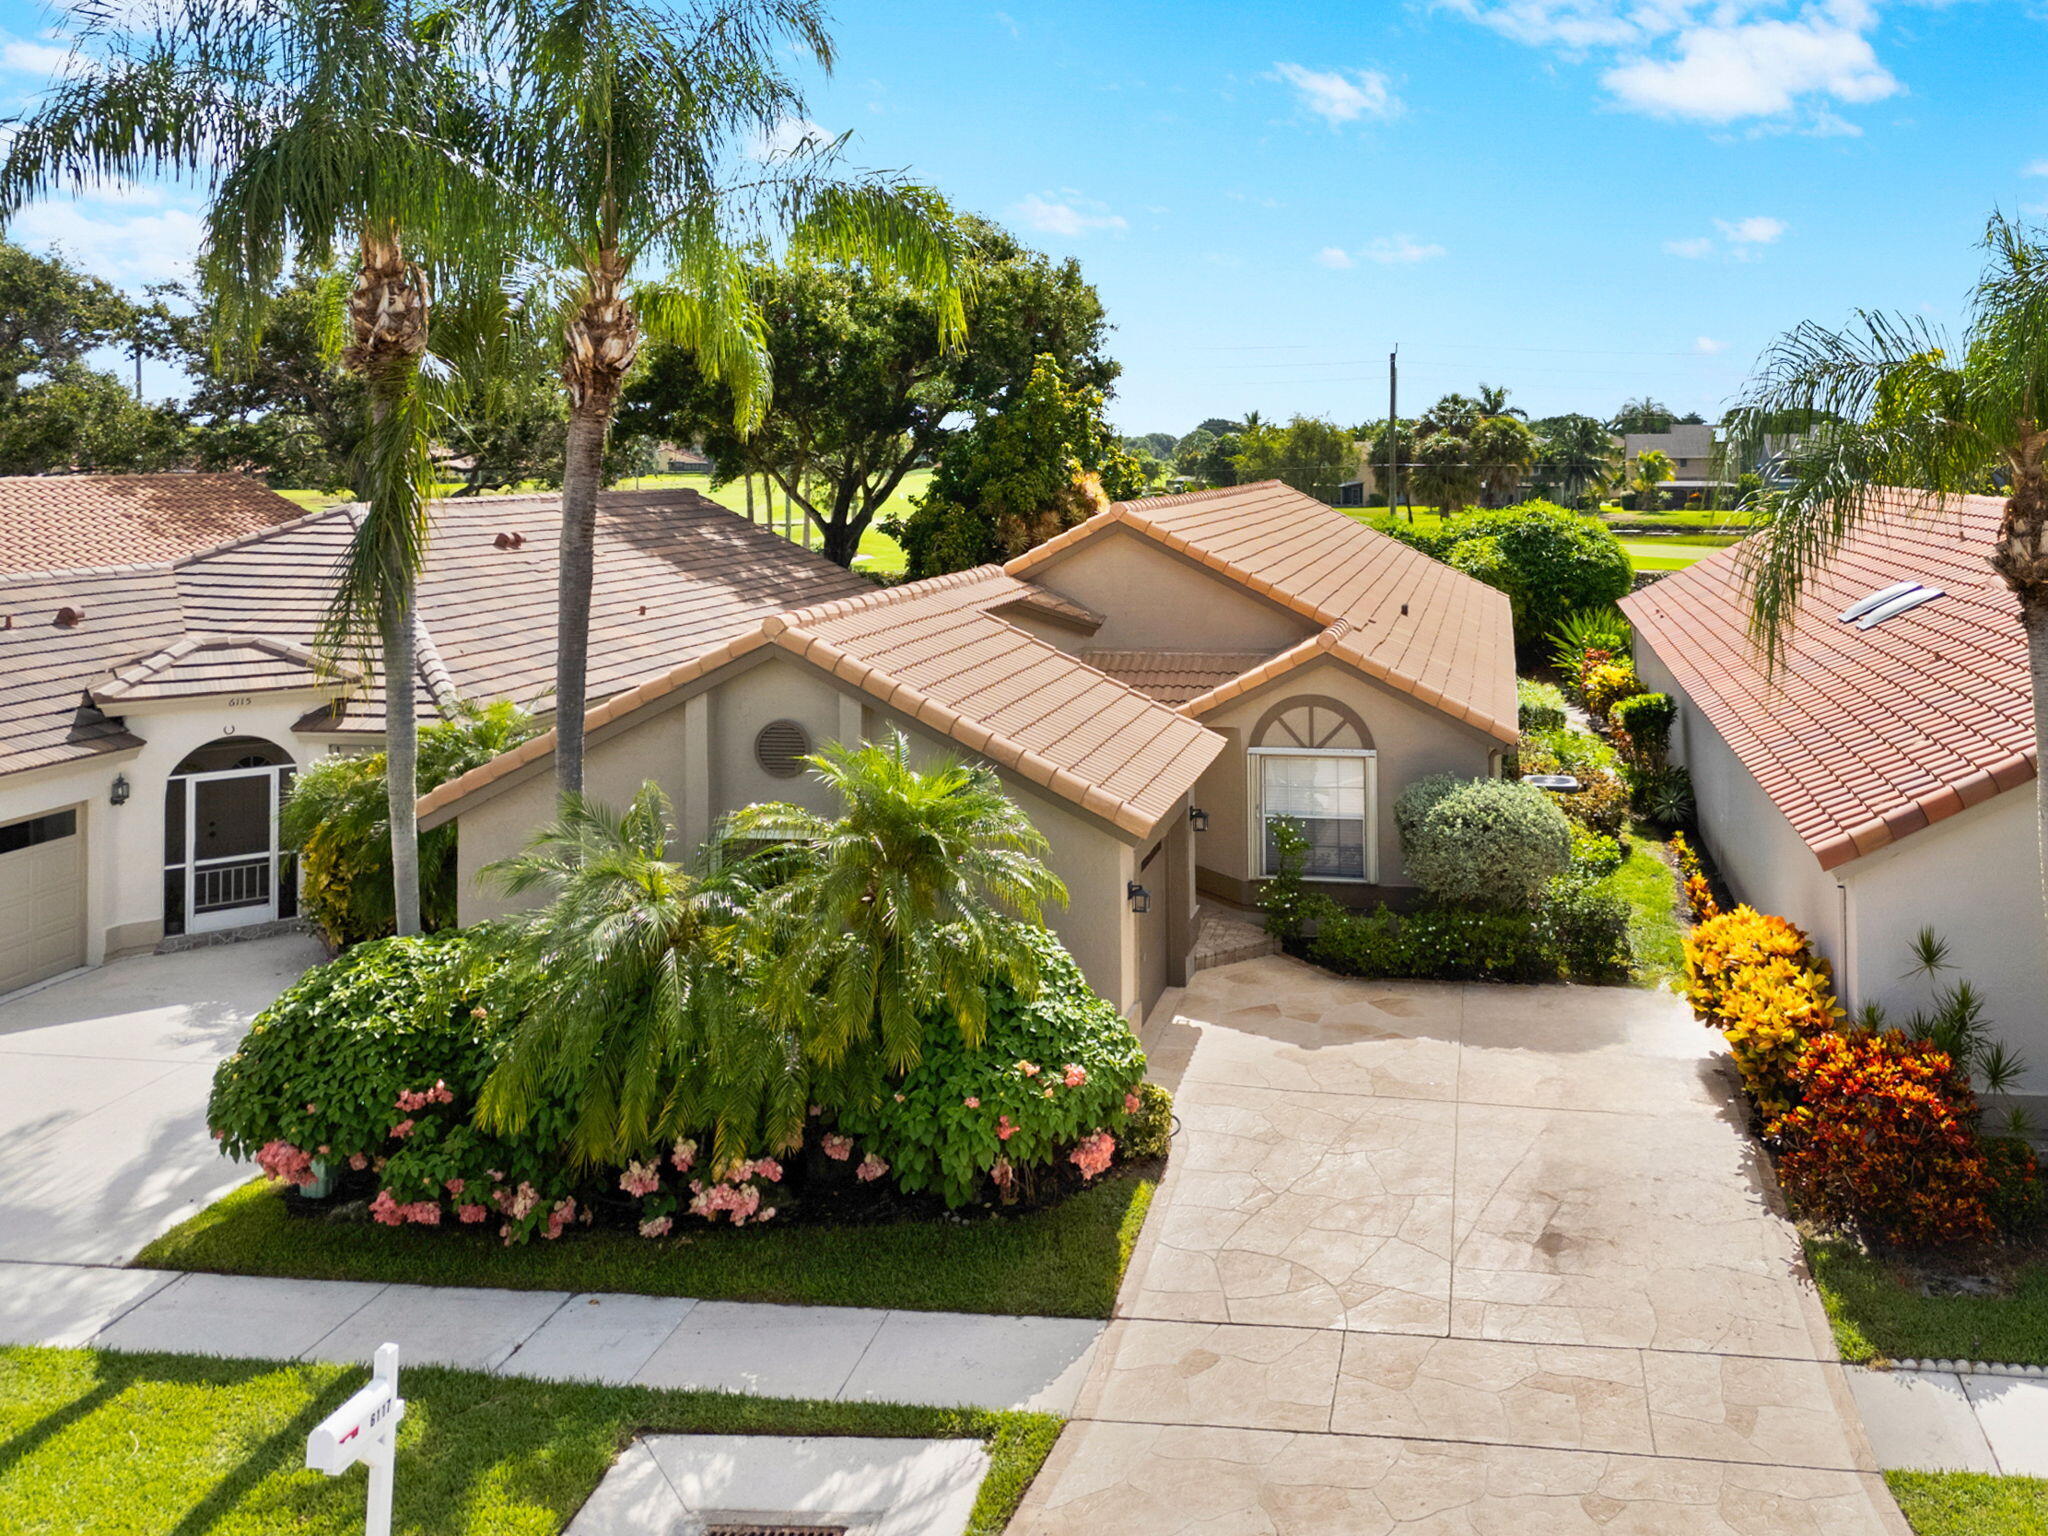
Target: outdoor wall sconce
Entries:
(118, 793)
(1140, 898)
(1198, 818)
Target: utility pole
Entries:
(1394, 429)
(138, 369)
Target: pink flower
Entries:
(971, 1102)
(1073, 1076)
(1093, 1154)
(641, 1178)
(453, 1186)
(384, 1210)
(1130, 1103)
(441, 1093)
(901, 1100)
(1004, 1130)
(1048, 1093)
(1028, 1068)
(324, 1149)
(769, 1169)
(871, 1168)
(403, 1128)
(312, 1109)
(358, 1162)
(471, 1214)
(285, 1163)
(658, 1227)
(737, 1201)
(1003, 1173)
(767, 1213)
(838, 1148)
(683, 1155)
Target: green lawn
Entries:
(1667, 554)
(1971, 1503)
(1878, 1313)
(1062, 1262)
(144, 1445)
(1650, 886)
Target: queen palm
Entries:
(1894, 404)
(1652, 467)
(904, 905)
(1579, 451)
(637, 143)
(307, 124)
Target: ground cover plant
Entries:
(121, 1445)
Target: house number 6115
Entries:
(241, 702)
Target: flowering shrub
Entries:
(1699, 894)
(1884, 1141)
(1052, 1072)
(1771, 1013)
(1721, 946)
(1148, 1121)
(1487, 843)
(1606, 684)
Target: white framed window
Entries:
(1332, 796)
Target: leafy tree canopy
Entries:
(1310, 453)
(79, 418)
(863, 389)
(1019, 477)
(53, 313)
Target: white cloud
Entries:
(1067, 213)
(790, 136)
(1754, 230)
(18, 56)
(1341, 96)
(1707, 346)
(2036, 168)
(1334, 257)
(1698, 248)
(1712, 61)
(1399, 251)
(132, 249)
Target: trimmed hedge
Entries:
(1487, 843)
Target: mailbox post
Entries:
(365, 1429)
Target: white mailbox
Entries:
(365, 1429)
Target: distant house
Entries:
(1696, 468)
(1157, 688)
(159, 689)
(678, 460)
(1881, 779)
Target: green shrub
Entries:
(1539, 706)
(1290, 906)
(1585, 637)
(1607, 684)
(1051, 1071)
(1442, 944)
(1644, 720)
(1595, 855)
(1373, 943)
(1588, 931)
(1488, 843)
(1600, 805)
(1663, 796)
(1148, 1130)
(2018, 1199)
(1549, 560)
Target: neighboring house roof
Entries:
(674, 573)
(1863, 736)
(1392, 612)
(937, 652)
(1681, 442)
(80, 522)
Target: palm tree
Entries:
(1652, 469)
(1580, 452)
(622, 126)
(1643, 414)
(1442, 473)
(629, 999)
(307, 123)
(1891, 403)
(1502, 450)
(1493, 401)
(904, 905)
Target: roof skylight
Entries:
(1900, 596)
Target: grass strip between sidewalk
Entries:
(141, 1445)
(1971, 1503)
(1063, 1262)
(1878, 1312)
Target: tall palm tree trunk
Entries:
(388, 315)
(600, 342)
(2021, 558)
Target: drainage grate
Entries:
(757, 1528)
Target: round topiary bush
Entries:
(1490, 843)
(1548, 559)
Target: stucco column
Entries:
(694, 811)
(1180, 896)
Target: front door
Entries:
(231, 835)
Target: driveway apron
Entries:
(1442, 1258)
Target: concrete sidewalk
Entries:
(940, 1359)
(1955, 1421)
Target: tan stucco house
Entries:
(1153, 687)
(1882, 778)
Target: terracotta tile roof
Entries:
(675, 572)
(1409, 621)
(204, 664)
(1173, 677)
(78, 522)
(937, 652)
(1043, 603)
(1862, 737)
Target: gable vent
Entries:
(781, 748)
(1899, 597)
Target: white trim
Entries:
(1256, 817)
(240, 916)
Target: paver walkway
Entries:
(943, 1359)
(1446, 1258)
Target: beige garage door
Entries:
(42, 898)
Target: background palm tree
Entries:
(1580, 452)
(1492, 400)
(1502, 450)
(637, 137)
(628, 998)
(902, 907)
(1651, 468)
(306, 123)
(1893, 404)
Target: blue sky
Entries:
(1582, 200)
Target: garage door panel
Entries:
(42, 898)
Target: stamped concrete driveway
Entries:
(103, 1084)
(1437, 1258)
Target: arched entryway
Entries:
(222, 864)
